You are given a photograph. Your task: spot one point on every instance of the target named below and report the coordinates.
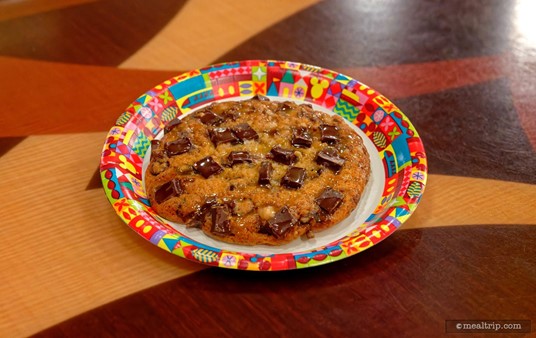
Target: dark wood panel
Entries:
(407, 285)
(473, 131)
(522, 72)
(6, 143)
(100, 33)
(348, 33)
(95, 181)
(403, 81)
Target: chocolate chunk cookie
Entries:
(257, 171)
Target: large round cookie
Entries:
(257, 171)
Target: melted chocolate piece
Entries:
(236, 157)
(209, 202)
(302, 138)
(244, 132)
(230, 204)
(222, 135)
(329, 200)
(180, 146)
(202, 210)
(265, 172)
(207, 167)
(260, 98)
(154, 147)
(209, 118)
(281, 155)
(172, 125)
(220, 220)
(286, 106)
(330, 134)
(272, 132)
(167, 190)
(293, 178)
(329, 157)
(281, 223)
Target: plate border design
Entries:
(398, 144)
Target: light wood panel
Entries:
(452, 200)
(203, 30)
(64, 250)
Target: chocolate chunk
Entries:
(209, 118)
(209, 202)
(329, 157)
(207, 167)
(286, 106)
(167, 190)
(260, 98)
(244, 132)
(281, 223)
(229, 203)
(203, 209)
(302, 138)
(236, 157)
(293, 178)
(180, 146)
(198, 217)
(330, 134)
(265, 172)
(329, 200)
(172, 125)
(222, 135)
(220, 220)
(281, 155)
(155, 144)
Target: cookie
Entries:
(257, 171)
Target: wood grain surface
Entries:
(212, 38)
(81, 99)
(16, 9)
(61, 262)
(97, 32)
(463, 72)
(407, 285)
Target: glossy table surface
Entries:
(462, 71)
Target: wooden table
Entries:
(463, 72)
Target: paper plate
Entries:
(398, 160)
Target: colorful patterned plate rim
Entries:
(398, 159)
